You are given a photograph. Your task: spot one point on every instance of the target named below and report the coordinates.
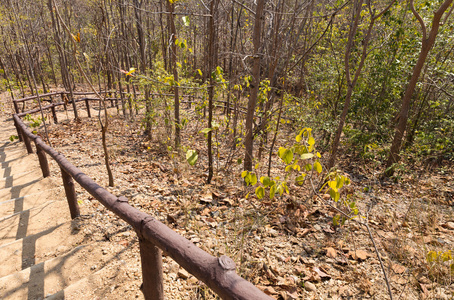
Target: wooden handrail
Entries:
(218, 273)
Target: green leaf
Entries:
(287, 156)
(253, 180)
(300, 179)
(288, 168)
(280, 189)
(340, 182)
(318, 167)
(272, 191)
(281, 151)
(307, 155)
(336, 220)
(265, 180)
(206, 130)
(185, 20)
(191, 157)
(260, 192)
(285, 186)
(334, 195)
(308, 167)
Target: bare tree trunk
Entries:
(249, 139)
(212, 61)
(428, 40)
(351, 83)
(173, 59)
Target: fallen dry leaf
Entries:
(320, 273)
(331, 252)
(398, 269)
(358, 254)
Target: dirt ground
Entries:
(289, 246)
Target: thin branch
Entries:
(420, 20)
(245, 7)
(381, 262)
(448, 14)
(368, 230)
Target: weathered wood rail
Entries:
(48, 97)
(218, 273)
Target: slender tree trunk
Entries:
(173, 59)
(212, 61)
(249, 139)
(428, 40)
(351, 83)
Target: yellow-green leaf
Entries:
(300, 179)
(265, 180)
(307, 155)
(260, 192)
(272, 191)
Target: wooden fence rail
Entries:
(191, 99)
(218, 273)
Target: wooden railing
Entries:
(218, 273)
(48, 97)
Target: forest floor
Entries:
(287, 246)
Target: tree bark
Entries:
(249, 139)
(428, 40)
(173, 59)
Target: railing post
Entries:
(42, 161)
(27, 143)
(151, 260)
(71, 196)
(19, 132)
(54, 114)
(88, 108)
(62, 95)
(16, 108)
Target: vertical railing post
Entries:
(75, 108)
(54, 114)
(151, 259)
(87, 104)
(42, 161)
(70, 191)
(62, 95)
(16, 107)
(19, 132)
(27, 143)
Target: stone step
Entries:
(31, 187)
(51, 276)
(34, 249)
(24, 159)
(20, 178)
(111, 282)
(19, 165)
(33, 221)
(17, 205)
(11, 154)
(6, 132)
